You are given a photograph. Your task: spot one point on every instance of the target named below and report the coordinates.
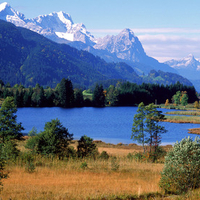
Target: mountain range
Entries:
(188, 67)
(60, 28)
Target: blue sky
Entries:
(167, 29)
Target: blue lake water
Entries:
(110, 124)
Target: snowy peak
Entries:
(9, 14)
(188, 62)
(55, 26)
(125, 45)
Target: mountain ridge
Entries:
(188, 67)
(125, 46)
(28, 58)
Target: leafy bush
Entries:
(138, 156)
(83, 165)
(29, 167)
(86, 147)
(32, 143)
(182, 167)
(130, 156)
(9, 150)
(104, 155)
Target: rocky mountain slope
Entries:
(188, 67)
(59, 27)
(28, 58)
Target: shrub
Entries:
(138, 156)
(182, 167)
(104, 155)
(83, 165)
(32, 143)
(86, 147)
(29, 167)
(9, 150)
(130, 156)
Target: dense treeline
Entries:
(122, 94)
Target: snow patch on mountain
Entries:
(189, 63)
(57, 24)
(59, 27)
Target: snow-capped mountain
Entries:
(188, 62)
(59, 27)
(125, 46)
(189, 67)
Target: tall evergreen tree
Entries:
(138, 128)
(9, 128)
(66, 93)
(98, 97)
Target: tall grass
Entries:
(66, 180)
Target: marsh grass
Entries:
(68, 181)
(196, 113)
(183, 119)
(65, 179)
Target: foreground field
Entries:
(119, 177)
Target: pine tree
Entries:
(98, 97)
(9, 128)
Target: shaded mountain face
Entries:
(59, 27)
(29, 58)
(188, 67)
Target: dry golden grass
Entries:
(194, 131)
(97, 181)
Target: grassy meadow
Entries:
(119, 177)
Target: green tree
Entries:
(153, 127)
(177, 97)
(54, 139)
(184, 99)
(9, 128)
(146, 127)
(98, 96)
(138, 127)
(182, 167)
(78, 98)
(86, 147)
(66, 93)
(112, 96)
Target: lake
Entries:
(109, 124)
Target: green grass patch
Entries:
(183, 119)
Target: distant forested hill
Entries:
(29, 58)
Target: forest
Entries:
(120, 94)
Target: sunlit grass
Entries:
(69, 181)
(184, 113)
(183, 119)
